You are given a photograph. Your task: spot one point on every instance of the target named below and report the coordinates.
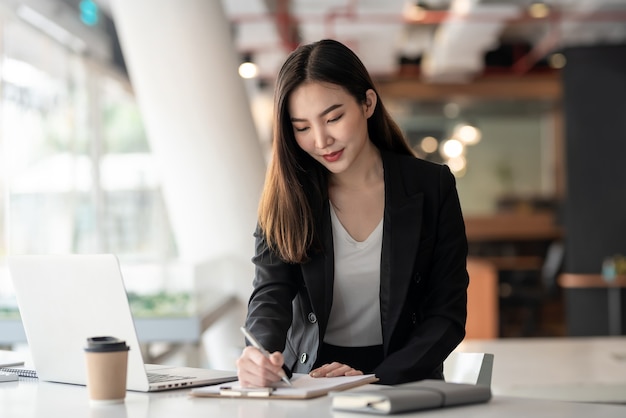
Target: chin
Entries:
(335, 169)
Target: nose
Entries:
(322, 138)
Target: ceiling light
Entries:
(557, 60)
(415, 11)
(468, 134)
(429, 144)
(452, 148)
(538, 10)
(458, 165)
(248, 69)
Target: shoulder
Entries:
(410, 161)
(415, 169)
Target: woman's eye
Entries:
(335, 119)
(300, 129)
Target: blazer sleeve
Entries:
(440, 324)
(274, 288)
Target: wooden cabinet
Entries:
(482, 300)
(515, 245)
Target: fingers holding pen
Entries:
(254, 369)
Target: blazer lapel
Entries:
(318, 273)
(401, 235)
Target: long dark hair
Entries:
(296, 186)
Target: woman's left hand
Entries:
(334, 369)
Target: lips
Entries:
(333, 156)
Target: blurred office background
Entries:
(127, 128)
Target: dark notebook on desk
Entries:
(414, 396)
(64, 299)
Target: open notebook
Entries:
(302, 386)
(64, 299)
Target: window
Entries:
(77, 174)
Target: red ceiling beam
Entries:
(286, 26)
(547, 44)
(284, 16)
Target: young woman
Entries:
(360, 246)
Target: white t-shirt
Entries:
(355, 314)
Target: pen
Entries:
(263, 351)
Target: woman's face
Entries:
(329, 124)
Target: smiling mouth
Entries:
(333, 156)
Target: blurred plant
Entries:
(161, 304)
(613, 266)
(620, 264)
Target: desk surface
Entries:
(591, 369)
(575, 281)
(30, 399)
(583, 369)
(512, 227)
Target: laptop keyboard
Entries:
(159, 377)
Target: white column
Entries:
(183, 66)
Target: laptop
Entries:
(64, 299)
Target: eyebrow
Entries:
(324, 112)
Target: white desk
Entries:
(586, 369)
(30, 399)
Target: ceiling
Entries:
(448, 40)
(442, 41)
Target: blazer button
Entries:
(312, 318)
(413, 318)
(303, 358)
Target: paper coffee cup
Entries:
(107, 361)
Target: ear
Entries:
(370, 102)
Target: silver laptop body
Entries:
(64, 299)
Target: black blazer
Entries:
(423, 280)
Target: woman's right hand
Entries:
(256, 370)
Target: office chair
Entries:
(468, 368)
